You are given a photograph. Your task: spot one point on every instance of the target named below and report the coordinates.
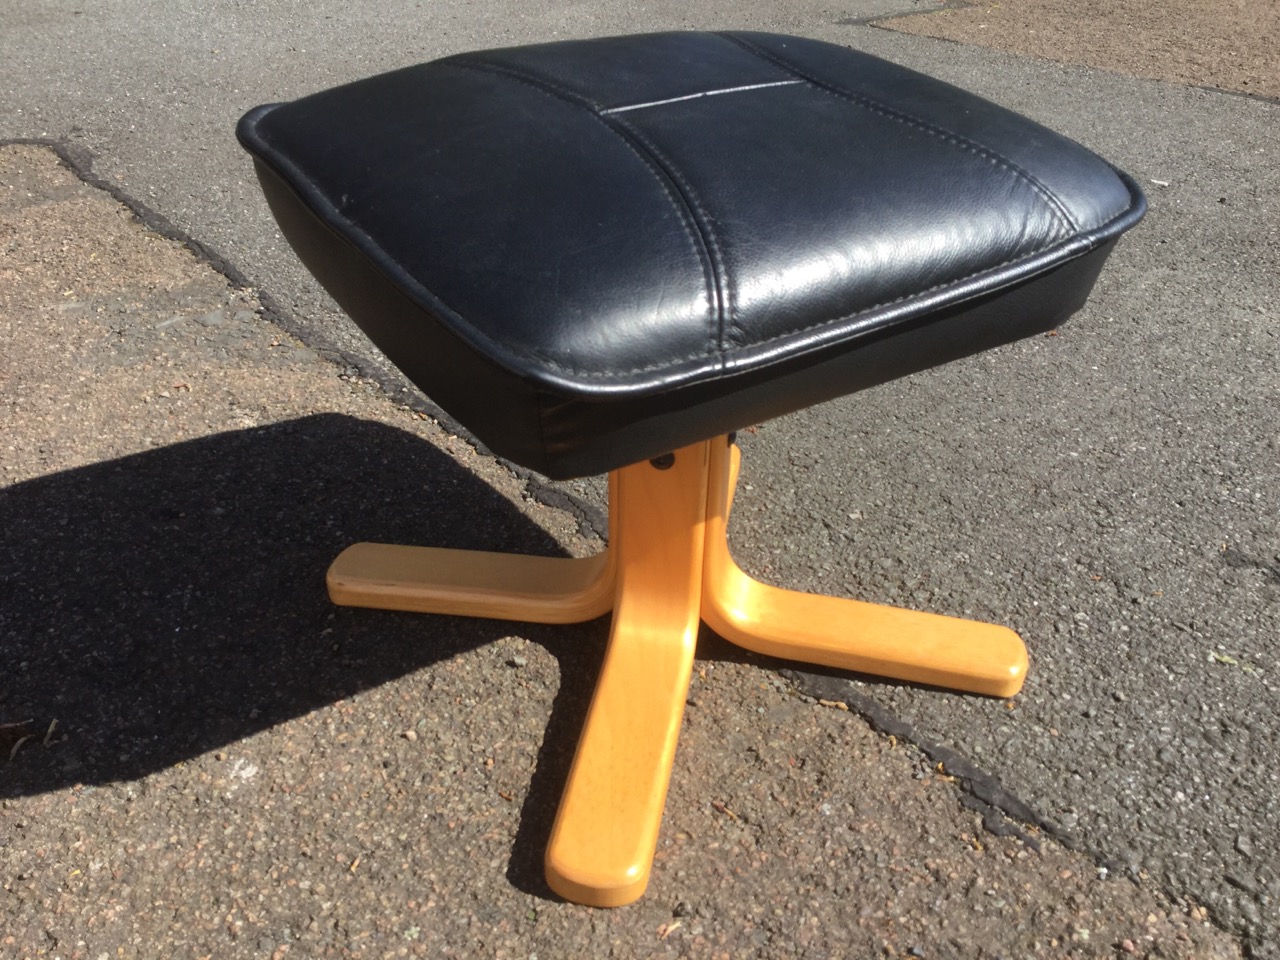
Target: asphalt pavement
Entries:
(1109, 491)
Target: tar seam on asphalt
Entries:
(591, 521)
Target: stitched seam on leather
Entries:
(703, 220)
(587, 374)
(1060, 213)
(661, 171)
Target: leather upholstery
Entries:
(595, 251)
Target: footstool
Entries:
(608, 255)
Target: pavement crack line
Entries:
(874, 19)
(1001, 811)
(591, 521)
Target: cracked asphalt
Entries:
(1109, 492)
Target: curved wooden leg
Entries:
(606, 830)
(849, 634)
(667, 567)
(474, 583)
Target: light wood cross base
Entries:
(667, 567)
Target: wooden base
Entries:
(667, 568)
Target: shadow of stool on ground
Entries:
(171, 602)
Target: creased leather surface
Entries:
(614, 222)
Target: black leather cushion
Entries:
(596, 251)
